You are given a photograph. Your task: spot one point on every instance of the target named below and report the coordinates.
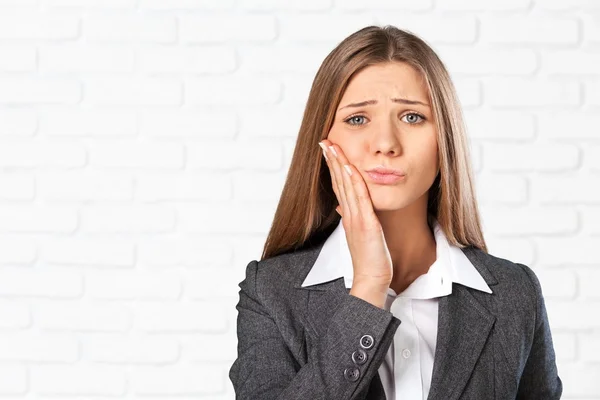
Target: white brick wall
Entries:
(133, 135)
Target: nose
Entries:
(386, 139)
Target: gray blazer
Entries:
(297, 342)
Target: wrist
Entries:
(370, 283)
(373, 293)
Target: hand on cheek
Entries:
(371, 258)
(348, 184)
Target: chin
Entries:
(388, 203)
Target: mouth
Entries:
(385, 179)
(385, 175)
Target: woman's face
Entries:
(388, 133)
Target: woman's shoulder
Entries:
(509, 271)
(512, 281)
(283, 271)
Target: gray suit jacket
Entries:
(296, 342)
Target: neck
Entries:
(411, 243)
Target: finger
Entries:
(363, 198)
(328, 156)
(339, 182)
(347, 180)
(357, 193)
(338, 178)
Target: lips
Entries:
(385, 179)
(381, 170)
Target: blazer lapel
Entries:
(463, 328)
(464, 325)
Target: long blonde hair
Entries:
(306, 210)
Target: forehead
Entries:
(386, 80)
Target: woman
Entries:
(375, 281)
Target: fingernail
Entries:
(347, 168)
(333, 151)
(324, 151)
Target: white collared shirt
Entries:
(408, 365)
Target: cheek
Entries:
(352, 150)
(429, 147)
(424, 158)
(432, 156)
(334, 133)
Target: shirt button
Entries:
(359, 357)
(351, 374)
(366, 342)
(406, 353)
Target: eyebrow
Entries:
(395, 100)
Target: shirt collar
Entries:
(451, 265)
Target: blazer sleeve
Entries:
(265, 368)
(540, 379)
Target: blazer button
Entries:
(366, 342)
(351, 374)
(359, 357)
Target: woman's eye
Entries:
(353, 119)
(414, 118)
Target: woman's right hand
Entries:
(371, 259)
